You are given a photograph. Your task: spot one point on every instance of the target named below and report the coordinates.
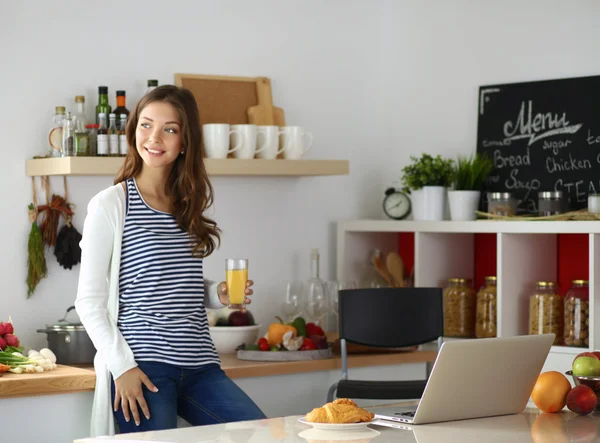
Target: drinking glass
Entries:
(292, 303)
(236, 276)
(333, 288)
(317, 303)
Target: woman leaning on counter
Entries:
(141, 293)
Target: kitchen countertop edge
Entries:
(71, 379)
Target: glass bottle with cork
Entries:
(81, 137)
(55, 134)
(121, 106)
(113, 136)
(103, 107)
(123, 135)
(102, 136)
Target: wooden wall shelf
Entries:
(216, 167)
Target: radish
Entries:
(11, 340)
(2, 331)
(8, 328)
(2, 344)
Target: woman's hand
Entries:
(128, 393)
(223, 295)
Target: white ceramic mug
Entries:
(295, 142)
(216, 140)
(267, 142)
(246, 135)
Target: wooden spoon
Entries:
(395, 266)
(383, 271)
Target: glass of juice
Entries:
(236, 276)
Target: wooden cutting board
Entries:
(265, 113)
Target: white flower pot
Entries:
(428, 203)
(463, 205)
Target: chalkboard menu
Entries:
(542, 136)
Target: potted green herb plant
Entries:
(469, 175)
(427, 179)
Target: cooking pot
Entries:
(69, 342)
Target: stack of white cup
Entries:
(250, 141)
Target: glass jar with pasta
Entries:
(546, 311)
(485, 322)
(459, 308)
(577, 310)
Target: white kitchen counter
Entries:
(529, 426)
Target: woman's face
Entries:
(158, 135)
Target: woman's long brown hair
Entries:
(188, 185)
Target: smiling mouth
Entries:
(154, 151)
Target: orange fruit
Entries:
(550, 391)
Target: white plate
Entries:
(336, 426)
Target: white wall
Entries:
(437, 53)
(324, 63)
(375, 81)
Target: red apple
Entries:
(239, 318)
(582, 400)
(587, 354)
(597, 354)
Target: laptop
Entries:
(476, 378)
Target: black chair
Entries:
(387, 318)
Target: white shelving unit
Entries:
(526, 251)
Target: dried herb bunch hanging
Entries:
(52, 212)
(36, 259)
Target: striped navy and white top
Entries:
(161, 289)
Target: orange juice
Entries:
(236, 285)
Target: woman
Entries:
(141, 293)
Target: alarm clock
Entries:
(396, 204)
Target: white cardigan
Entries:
(97, 300)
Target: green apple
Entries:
(586, 366)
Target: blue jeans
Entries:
(201, 396)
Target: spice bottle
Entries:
(92, 130)
(102, 137)
(459, 308)
(577, 310)
(546, 311)
(486, 309)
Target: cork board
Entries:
(221, 99)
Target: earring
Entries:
(181, 153)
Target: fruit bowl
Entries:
(592, 382)
(227, 338)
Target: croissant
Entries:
(339, 411)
